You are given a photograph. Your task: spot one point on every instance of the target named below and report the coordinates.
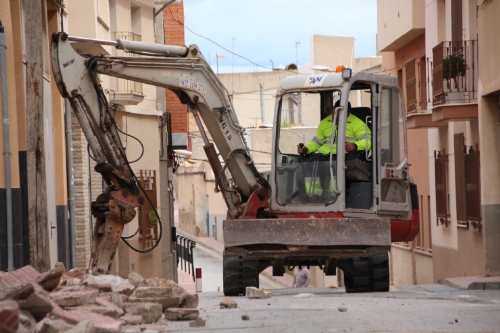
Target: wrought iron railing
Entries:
(185, 259)
(127, 86)
(454, 72)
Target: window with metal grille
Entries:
(472, 188)
(456, 20)
(411, 87)
(422, 83)
(441, 175)
(459, 150)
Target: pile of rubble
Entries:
(60, 301)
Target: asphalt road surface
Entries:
(424, 308)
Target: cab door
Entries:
(393, 186)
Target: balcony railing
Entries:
(127, 86)
(454, 72)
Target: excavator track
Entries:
(238, 273)
(366, 274)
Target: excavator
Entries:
(342, 213)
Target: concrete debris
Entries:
(105, 311)
(71, 301)
(166, 302)
(150, 312)
(228, 303)
(86, 326)
(304, 295)
(181, 314)
(131, 329)
(136, 279)
(191, 301)
(199, 322)
(245, 317)
(51, 279)
(74, 298)
(27, 320)
(48, 325)
(130, 319)
(252, 292)
(342, 309)
(39, 304)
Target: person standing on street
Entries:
(301, 277)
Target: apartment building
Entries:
(41, 152)
(433, 48)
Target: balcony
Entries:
(454, 81)
(127, 92)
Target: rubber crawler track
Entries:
(367, 274)
(239, 273)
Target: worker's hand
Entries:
(350, 147)
(301, 150)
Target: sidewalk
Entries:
(473, 282)
(186, 281)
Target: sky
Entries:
(275, 32)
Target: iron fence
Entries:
(185, 260)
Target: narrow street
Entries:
(424, 308)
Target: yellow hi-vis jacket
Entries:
(357, 132)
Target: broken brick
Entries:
(9, 316)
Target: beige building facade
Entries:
(137, 113)
(435, 48)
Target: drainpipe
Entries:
(70, 177)
(6, 142)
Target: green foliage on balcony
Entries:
(453, 66)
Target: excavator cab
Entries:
(373, 179)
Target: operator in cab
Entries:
(357, 139)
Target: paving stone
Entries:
(150, 312)
(342, 309)
(105, 311)
(144, 292)
(104, 302)
(38, 303)
(165, 302)
(50, 280)
(86, 326)
(181, 314)
(199, 322)
(48, 325)
(252, 292)
(130, 319)
(228, 303)
(191, 301)
(102, 324)
(9, 316)
(74, 298)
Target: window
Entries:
(391, 127)
(411, 87)
(472, 188)
(441, 175)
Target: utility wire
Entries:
(222, 47)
